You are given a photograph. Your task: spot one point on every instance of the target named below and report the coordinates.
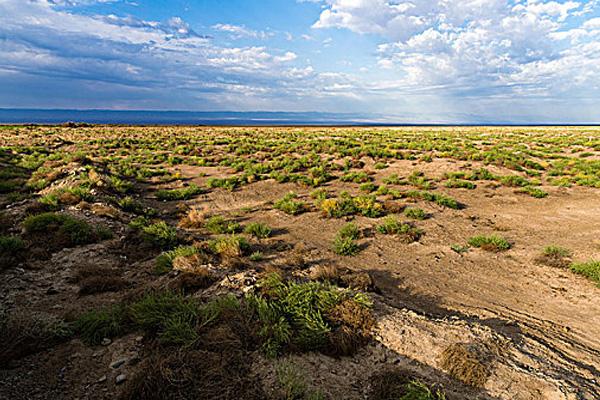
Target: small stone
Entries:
(118, 363)
(102, 379)
(51, 291)
(106, 342)
(121, 378)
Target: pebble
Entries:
(106, 342)
(118, 363)
(121, 378)
(102, 379)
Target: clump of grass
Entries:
(129, 204)
(590, 270)
(460, 183)
(219, 225)
(230, 183)
(258, 230)
(464, 362)
(438, 198)
(534, 192)
(70, 231)
(514, 181)
(493, 243)
(160, 234)
(356, 177)
(96, 325)
(22, 334)
(393, 226)
(457, 248)
(350, 230)
(184, 193)
(345, 205)
(164, 262)
(396, 384)
(230, 246)
(368, 187)
(555, 256)
(289, 205)
(393, 180)
(298, 315)
(293, 385)
(415, 213)
(11, 245)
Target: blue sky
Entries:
(403, 61)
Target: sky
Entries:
(444, 61)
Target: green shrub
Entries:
(258, 230)
(298, 315)
(70, 229)
(350, 230)
(230, 183)
(340, 207)
(184, 193)
(490, 243)
(368, 206)
(459, 183)
(392, 226)
(590, 270)
(170, 315)
(534, 192)
(164, 262)
(219, 225)
(230, 245)
(11, 245)
(356, 177)
(368, 187)
(293, 384)
(290, 206)
(415, 213)
(393, 180)
(556, 251)
(160, 234)
(514, 181)
(94, 326)
(345, 246)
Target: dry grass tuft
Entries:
(465, 363)
(194, 219)
(194, 374)
(188, 282)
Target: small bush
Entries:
(297, 315)
(230, 246)
(11, 245)
(219, 225)
(340, 207)
(184, 193)
(392, 226)
(164, 262)
(290, 206)
(258, 230)
(415, 213)
(534, 192)
(69, 230)
(160, 234)
(345, 246)
(590, 270)
(464, 363)
(490, 243)
(293, 385)
(356, 177)
(459, 183)
(350, 230)
(96, 325)
(395, 384)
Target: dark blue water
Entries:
(32, 116)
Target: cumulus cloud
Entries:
(489, 47)
(153, 58)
